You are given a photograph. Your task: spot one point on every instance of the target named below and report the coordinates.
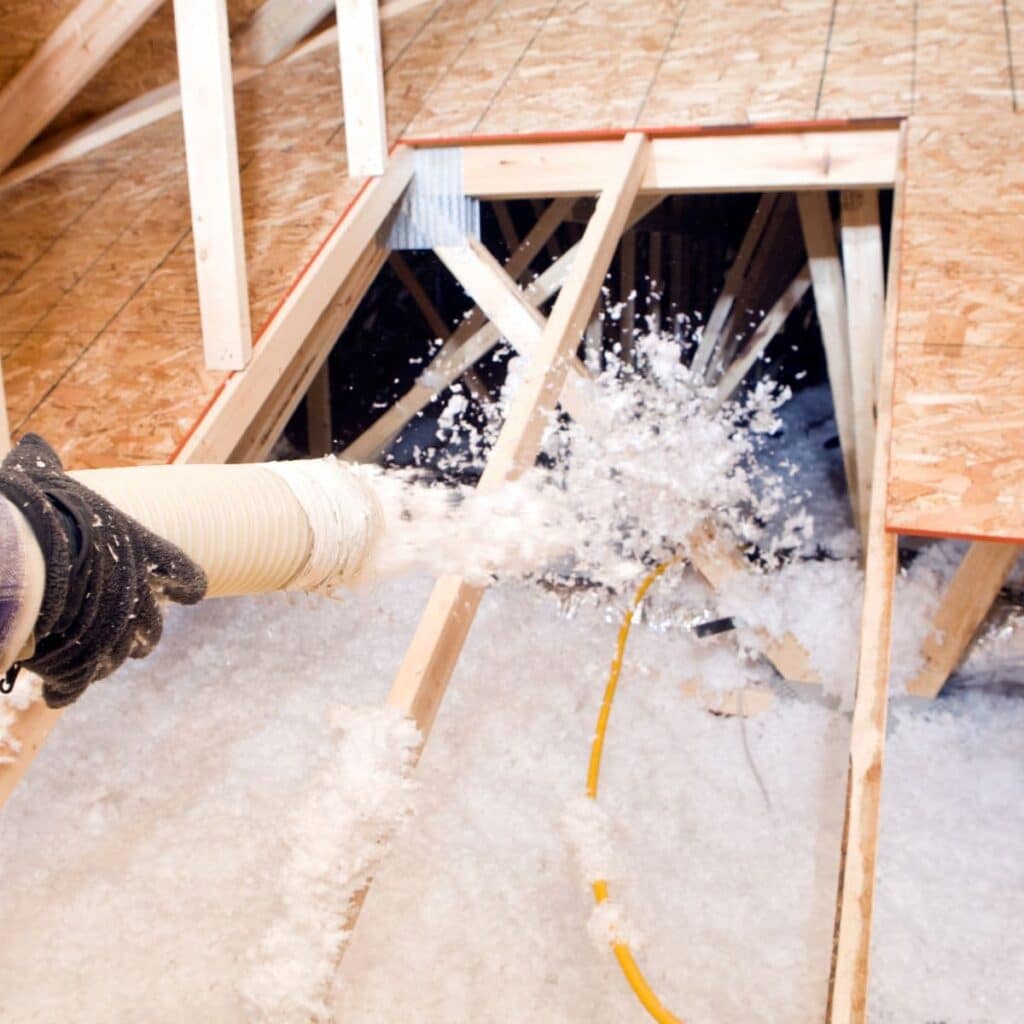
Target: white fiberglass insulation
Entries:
(185, 845)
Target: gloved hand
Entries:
(104, 573)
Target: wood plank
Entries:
(518, 320)
(848, 978)
(863, 262)
(711, 335)
(83, 42)
(627, 297)
(755, 162)
(320, 437)
(966, 602)
(411, 283)
(243, 394)
(830, 301)
(211, 157)
(772, 322)
(275, 27)
(655, 281)
(421, 682)
(717, 557)
(362, 87)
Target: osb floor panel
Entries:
(98, 322)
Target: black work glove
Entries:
(104, 573)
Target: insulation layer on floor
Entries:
(99, 329)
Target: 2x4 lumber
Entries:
(275, 27)
(848, 977)
(211, 159)
(627, 297)
(423, 677)
(773, 322)
(80, 45)
(676, 302)
(504, 304)
(731, 287)
(830, 301)
(416, 292)
(362, 87)
(963, 608)
(507, 227)
(319, 435)
(717, 557)
(655, 281)
(244, 394)
(865, 307)
(754, 162)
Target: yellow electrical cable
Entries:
(623, 954)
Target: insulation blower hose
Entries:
(633, 974)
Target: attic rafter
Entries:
(81, 44)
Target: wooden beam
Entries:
(627, 297)
(412, 285)
(507, 227)
(848, 977)
(865, 293)
(80, 45)
(773, 322)
(755, 162)
(655, 281)
(211, 157)
(710, 338)
(716, 556)
(275, 27)
(830, 302)
(362, 86)
(676, 302)
(320, 437)
(964, 605)
(244, 394)
(517, 319)
(421, 682)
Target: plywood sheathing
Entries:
(741, 64)
(956, 465)
(962, 58)
(869, 71)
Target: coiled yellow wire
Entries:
(633, 974)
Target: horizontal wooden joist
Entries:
(729, 162)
